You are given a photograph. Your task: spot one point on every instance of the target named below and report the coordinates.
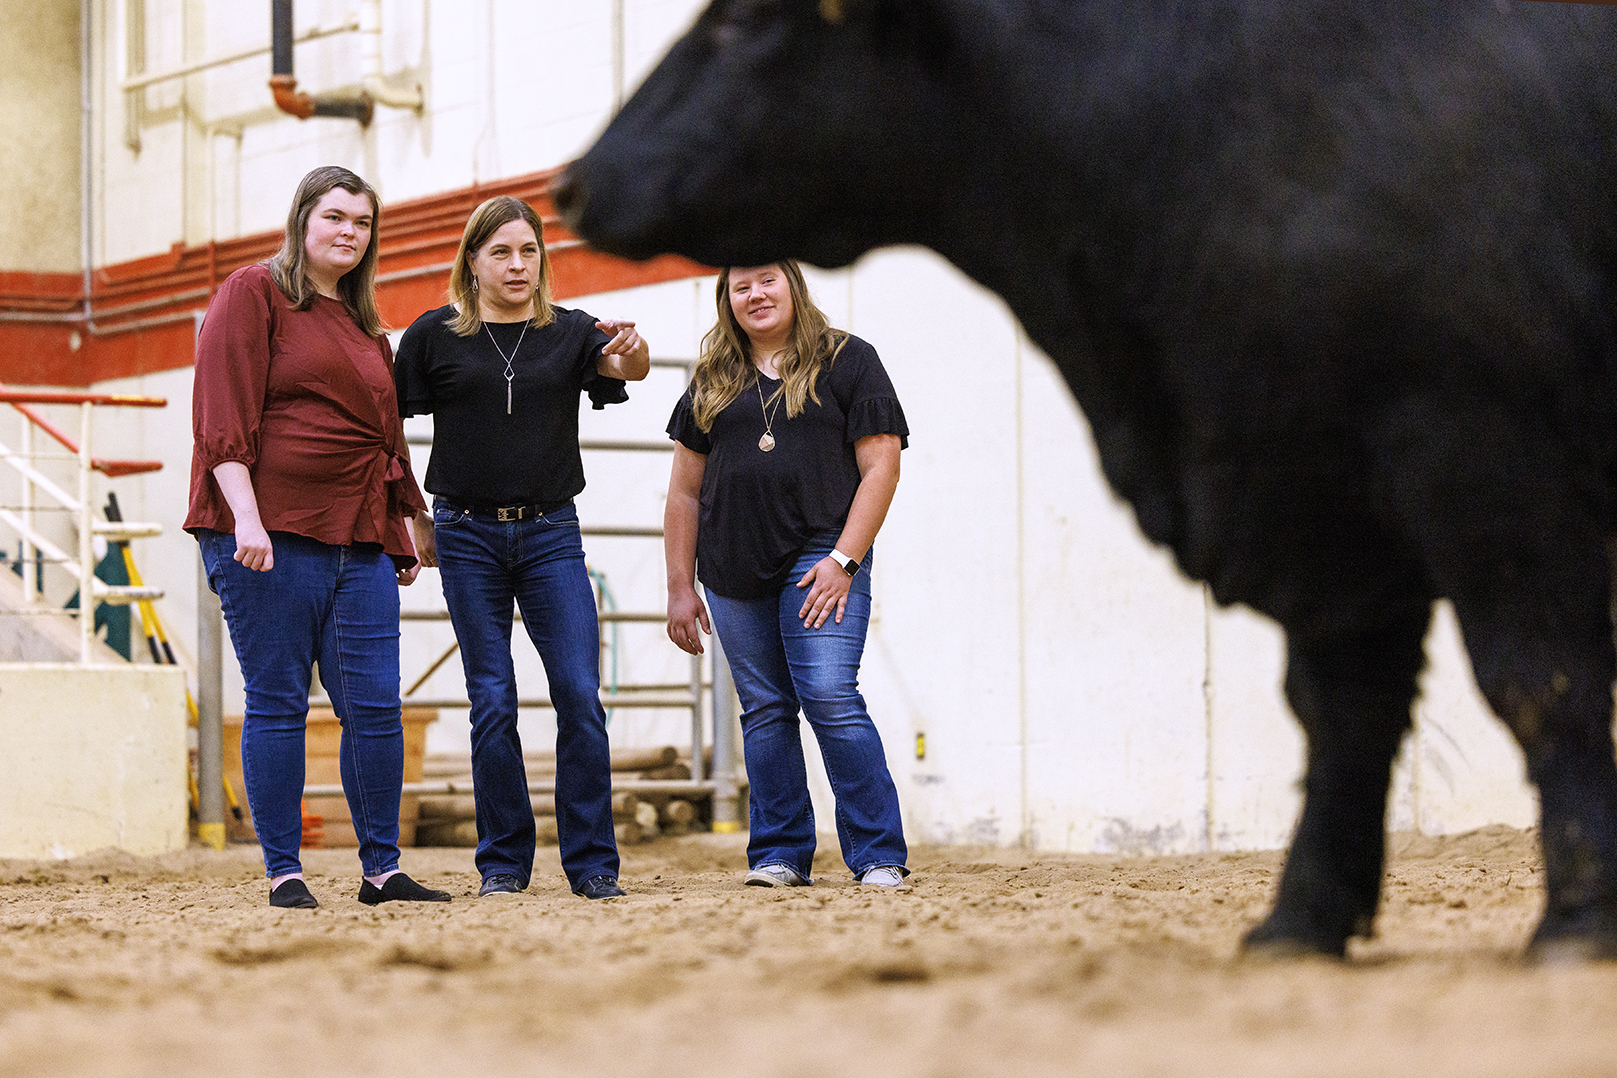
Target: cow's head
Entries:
(814, 129)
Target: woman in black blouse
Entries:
(786, 460)
(501, 370)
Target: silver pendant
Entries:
(767, 442)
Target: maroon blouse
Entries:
(305, 399)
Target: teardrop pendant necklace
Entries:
(510, 369)
(767, 442)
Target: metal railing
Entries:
(36, 548)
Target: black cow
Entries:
(1335, 284)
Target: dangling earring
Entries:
(474, 284)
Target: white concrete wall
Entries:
(1074, 691)
(94, 758)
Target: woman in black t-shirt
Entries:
(501, 370)
(786, 460)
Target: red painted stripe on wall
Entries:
(145, 309)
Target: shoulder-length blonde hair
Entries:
(724, 369)
(289, 265)
(487, 219)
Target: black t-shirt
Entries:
(481, 455)
(760, 510)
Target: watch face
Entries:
(850, 567)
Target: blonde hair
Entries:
(725, 368)
(289, 266)
(487, 219)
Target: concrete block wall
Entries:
(95, 758)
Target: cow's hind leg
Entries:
(1545, 663)
(1352, 693)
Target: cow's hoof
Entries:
(1283, 936)
(1574, 939)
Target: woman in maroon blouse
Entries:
(301, 492)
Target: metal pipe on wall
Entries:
(726, 794)
(284, 85)
(210, 714)
(370, 44)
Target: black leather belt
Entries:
(510, 512)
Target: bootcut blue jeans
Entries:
(338, 606)
(780, 668)
(539, 563)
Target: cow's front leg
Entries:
(1352, 693)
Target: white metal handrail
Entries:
(38, 547)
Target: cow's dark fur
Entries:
(1335, 284)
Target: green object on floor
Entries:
(113, 619)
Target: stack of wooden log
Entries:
(637, 816)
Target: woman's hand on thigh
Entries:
(828, 584)
(687, 615)
(426, 539)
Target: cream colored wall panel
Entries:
(143, 204)
(39, 129)
(1257, 746)
(650, 26)
(1467, 769)
(1113, 652)
(95, 758)
(943, 646)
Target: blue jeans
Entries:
(485, 565)
(780, 667)
(338, 606)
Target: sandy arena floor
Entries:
(995, 963)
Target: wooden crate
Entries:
(321, 741)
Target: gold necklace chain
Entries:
(767, 442)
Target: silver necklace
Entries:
(510, 371)
(767, 442)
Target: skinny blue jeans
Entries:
(779, 668)
(485, 564)
(338, 606)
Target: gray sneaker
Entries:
(882, 876)
(499, 886)
(775, 876)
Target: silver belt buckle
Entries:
(510, 512)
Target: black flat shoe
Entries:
(293, 895)
(600, 887)
(399, 888)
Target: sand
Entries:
(996, 962)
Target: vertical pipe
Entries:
(26, 553)
(619, 75)
(370, 38)
(86, 551)
(86, 158)
(1209, 702)
(698, 771)
(726, 798)
(210, 718)
(1026, 838)
(280, 37)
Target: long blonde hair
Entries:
(725, 368)
(288, 266)
(493, 215)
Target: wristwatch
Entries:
(849, 565)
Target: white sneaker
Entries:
(775, 876)
(882, 876)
